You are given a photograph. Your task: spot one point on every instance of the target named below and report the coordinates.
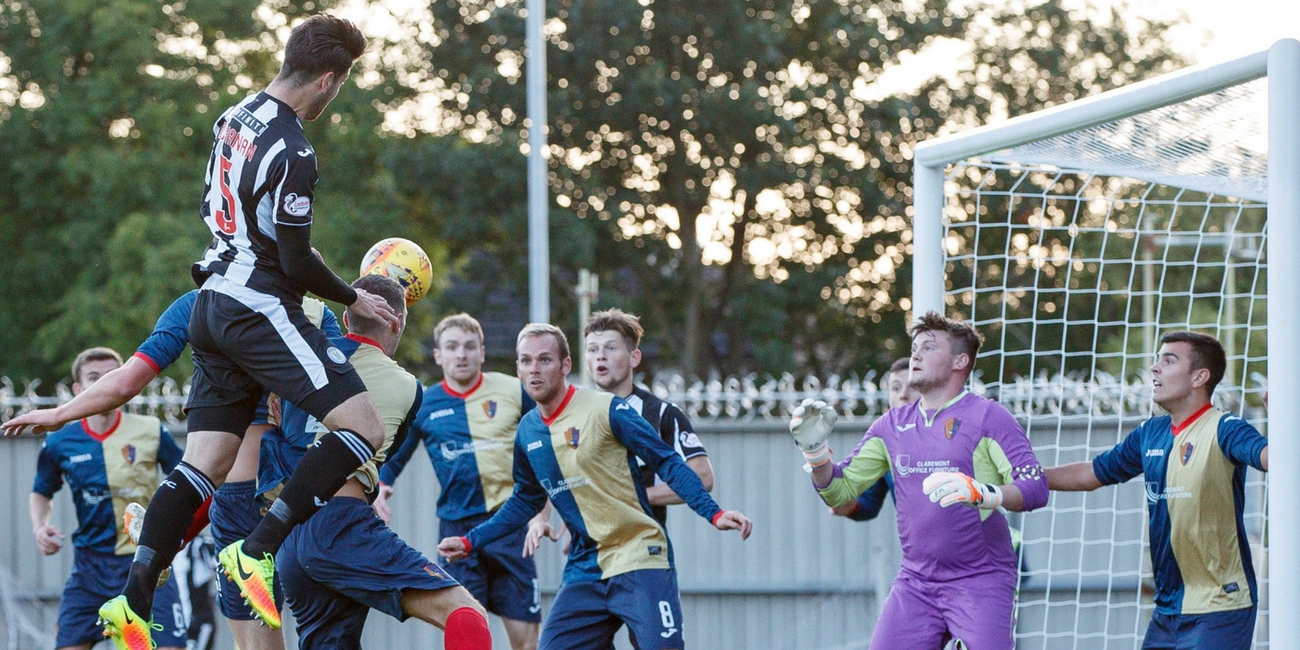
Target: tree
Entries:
(102, 147)
(733, 157)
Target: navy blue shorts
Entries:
(97, 578)
(585, 615)
(1232, 630)
(498, 575)
(235, 512)
(343, 562)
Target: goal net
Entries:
(1073, 254)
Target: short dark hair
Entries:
(616, 320)
(384, 287)
(899, 365)
(1207, 353)
(544, 329)
(459, 321)
(93, 354)
(965, 340)
(321, 44)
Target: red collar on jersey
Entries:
(567, 396)
(362, 339)
(85, 424)
(1188, 422)
(451, 391)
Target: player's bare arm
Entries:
(1075, 477)
(49, 539)
(109, 392)
(662, 495)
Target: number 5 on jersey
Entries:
(225, 215)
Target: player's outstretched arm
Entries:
(1075, 477)
(632, 430)
(663, 495)
(524, 503)
(109, 392)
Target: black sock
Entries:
(322, 471)
(169, 515)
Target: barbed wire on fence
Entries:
(767, 398)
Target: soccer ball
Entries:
(402, 260)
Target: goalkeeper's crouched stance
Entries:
(956, 458)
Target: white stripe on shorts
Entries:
(273, 310)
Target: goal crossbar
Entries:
(1280, 66)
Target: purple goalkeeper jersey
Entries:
(970, 434)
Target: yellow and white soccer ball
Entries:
(402, 260)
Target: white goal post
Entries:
(1232, 216)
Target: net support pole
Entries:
(1284, 337)
(539, 255)
(927, 239)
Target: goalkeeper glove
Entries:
(811, 424)
(947, 488)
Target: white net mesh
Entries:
(1072, 256)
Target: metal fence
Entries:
(804, 579)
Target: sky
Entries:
(1221, 31)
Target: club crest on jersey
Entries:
(128, 453)
(1185, 452)
(335, 355)
(298, 206)
(490, 408)
(951, 427)
(434, 570)
(571, 437)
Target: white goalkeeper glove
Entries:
(811, 424)
(947, 488)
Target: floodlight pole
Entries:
(539, 256)
(1283, 336)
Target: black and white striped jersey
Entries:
(674, 428)
(262, 173)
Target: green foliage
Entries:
(102, 162)
(732, 159)
(731, 170)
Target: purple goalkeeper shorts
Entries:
(924, 615)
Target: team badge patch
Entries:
(571, 437)
(128, 453)
(951, 427)
(434, 570)
(1185, 452)
(490, 408)
(335, 355)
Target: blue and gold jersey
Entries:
(106, 471)
(1195, 487)
(470, 438)
(584, 459)
(396, 393)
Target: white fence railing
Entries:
(754, 398)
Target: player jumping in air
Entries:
(578, 447)
(959, 572)
(613, 339)
(249, 333)
(467, 424)
(1194, 463)
(109, 460)
(345, 561)
(234, 512)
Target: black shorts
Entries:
(244, 342)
